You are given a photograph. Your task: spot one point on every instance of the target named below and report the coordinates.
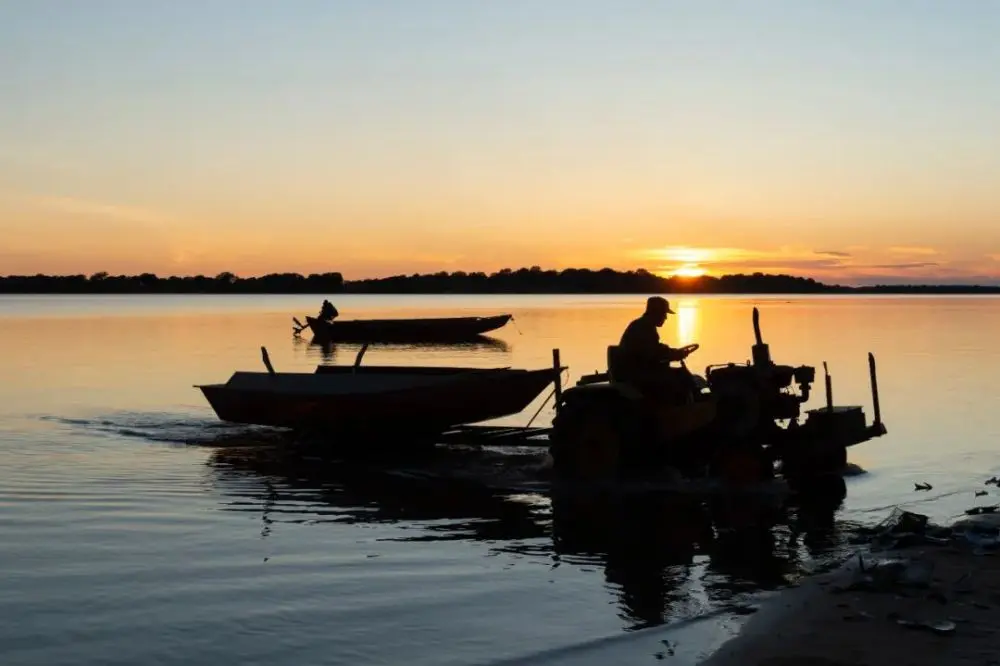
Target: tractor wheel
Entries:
(588, 440)
(739, 466)
(806, 465)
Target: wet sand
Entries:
(855, 615)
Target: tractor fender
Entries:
(601, 392)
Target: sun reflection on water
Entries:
(688, 322)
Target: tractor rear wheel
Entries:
(805, 464)
(589, 437)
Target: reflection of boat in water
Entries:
(441, 329)
(481, 345)
(390, 404)
(664, 558)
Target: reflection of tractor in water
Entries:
(736, 423)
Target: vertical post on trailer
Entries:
(557, 367)
(829, 388)
(874, 380)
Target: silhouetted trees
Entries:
(532, 280)
(148, 283)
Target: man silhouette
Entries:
(328, 312)
(643, 360)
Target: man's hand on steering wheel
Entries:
(687, 350)
(678, 354)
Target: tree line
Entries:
(532, 280)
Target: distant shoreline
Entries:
(522, 281)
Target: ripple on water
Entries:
(131, 551)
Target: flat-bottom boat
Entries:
(445, 329)
(384, 401)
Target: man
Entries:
(328, 312)
(643, 360)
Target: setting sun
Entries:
(687, 271)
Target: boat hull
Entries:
(409, 413)
(449, 329)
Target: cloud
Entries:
(776, 264)
(852, 265)
(906, 266)
(907, 249)
(723, 259)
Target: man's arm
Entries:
(670, 354)
(644, 341)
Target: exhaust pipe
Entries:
(760, 352)
(874, 380)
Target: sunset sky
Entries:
(846, 140)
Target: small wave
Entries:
(687, 640)
(170, 429)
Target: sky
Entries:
(850, 141)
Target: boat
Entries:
(408, 403)
(444, 329)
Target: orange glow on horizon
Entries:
(688, 271)
(63, 235)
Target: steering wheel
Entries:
(688, 349)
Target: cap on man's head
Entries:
(658, 304)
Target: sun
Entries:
(688, 271)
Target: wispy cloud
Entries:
(724, 257)
(789, 264)
(906, 266)
(908, 249)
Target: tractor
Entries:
(742, 422)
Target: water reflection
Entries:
(664, 558)
(344, 353)
(688, 322)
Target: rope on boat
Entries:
(544, 402)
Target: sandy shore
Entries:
(860, 613)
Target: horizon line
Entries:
(337, 276)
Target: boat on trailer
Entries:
(400, 405)
(443, 329)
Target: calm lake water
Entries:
(127, 537)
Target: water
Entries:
(127, 537)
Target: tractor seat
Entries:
(614, 365)
(615, 368)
